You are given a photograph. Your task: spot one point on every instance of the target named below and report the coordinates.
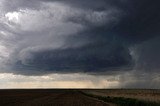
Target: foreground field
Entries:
(49, 97)
(124, 97)
(145, 95)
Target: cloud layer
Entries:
(70, 36)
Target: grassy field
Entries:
(79, 97)
(127, 97)
(146, 95)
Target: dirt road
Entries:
(64, 98)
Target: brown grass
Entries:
(146, 95)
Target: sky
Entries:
(80, 44)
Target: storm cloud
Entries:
(70, 36)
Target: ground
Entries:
(47, 98)
(79, 97)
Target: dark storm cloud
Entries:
(85, 36)
(142, 21)
(148, 58)
(91, 58)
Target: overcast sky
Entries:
(79, 44)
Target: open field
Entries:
(146, 95)
(127, 97)
(47, 98)
(74, 97)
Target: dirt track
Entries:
(63, 98)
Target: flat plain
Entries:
(73, 97)
(140, 94)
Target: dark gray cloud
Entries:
(45, 36)
(141, 22)
(88, 59)
(148, 57)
